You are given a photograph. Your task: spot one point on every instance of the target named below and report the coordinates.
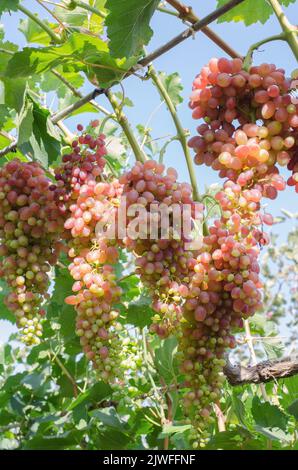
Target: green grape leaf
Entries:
(14, 91)
(293, 409)
(249, 11)
(109, 417)
(172, 84)
(5, 314)
(164, 359)
(34, 33)
(4, 115)
(37, 134)
(290, 391)
(63, 441)
(128, 25)
(112, 439)
(233, 440)
(169, 429)
(95, 394)
(139, 312)
(9, 5)
(267, 415)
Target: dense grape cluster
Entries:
(250, 122)
(224, 290)
(89, 200)
(162, 262)
(31, 225)
(250, 130)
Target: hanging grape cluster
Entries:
(249, 131)
(88, 198)
(162, 262)
(30, 231)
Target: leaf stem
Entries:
(122, 120)
(180, 131)
(287, 27)
(56, 39)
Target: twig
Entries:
(187, 14)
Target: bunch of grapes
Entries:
(89, 200)
(250, 121)
(225, 288)
(31, 225)
(162, 261)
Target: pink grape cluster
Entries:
(161, 258)
(31, 225)
(250, 120)
(83, 164)
(225, 288)
(89, 201)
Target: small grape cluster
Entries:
(31, 225)
(89, 200)
(161, 258)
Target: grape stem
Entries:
(248, 58)
(287, 27)
(56, 39)
(122, 120)
(181, 134)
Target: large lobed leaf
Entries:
(128, 25)
(250, 11)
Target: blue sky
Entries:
(187, 59)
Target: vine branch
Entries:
(262, 372)
(187, 14)
(287, 27)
